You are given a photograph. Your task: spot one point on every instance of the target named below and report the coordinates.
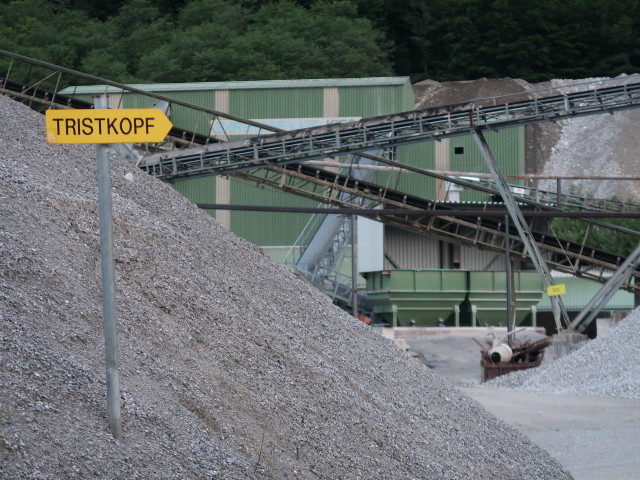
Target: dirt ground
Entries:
(595, 438)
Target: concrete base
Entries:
(565, 342)
(414, 332)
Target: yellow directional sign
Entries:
(556, 290)
(148, 125)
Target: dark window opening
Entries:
(458, 150)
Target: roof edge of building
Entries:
(244, 85)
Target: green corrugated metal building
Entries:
(580, 291)
(291, 104)
(289, 101)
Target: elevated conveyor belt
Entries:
(481, 231)
(386, 132)
(564, 200)
(49, 99)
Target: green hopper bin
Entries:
(452, 297)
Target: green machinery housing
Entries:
(450, 297)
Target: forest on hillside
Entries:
(222, 40)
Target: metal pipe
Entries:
(108, 282)
(354, 262)
(508, 272)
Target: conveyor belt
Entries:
(242, 158)
(385, 132)
(485, 232)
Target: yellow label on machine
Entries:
(556, 290)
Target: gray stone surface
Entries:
(594, 437)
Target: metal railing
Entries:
(37, 82)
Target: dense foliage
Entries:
(620, 240)
(197, 40)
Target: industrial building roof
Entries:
(247, 85)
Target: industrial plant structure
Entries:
(401, 267)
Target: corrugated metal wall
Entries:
(270, 103)
(337, 101)
(366, 99)
(276, 103)
(480, 260)
(198, 190)
(183, 117)
(266, 228)
(507, 147)
(370, 101)
(580, 291)
(418, 155)
(410, 251)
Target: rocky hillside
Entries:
(230, 366)
(595, 145)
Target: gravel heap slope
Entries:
(591, 145)
(230, 366)
(605, 367)
(598, 145)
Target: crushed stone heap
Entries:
(230, 366)
(593, 145)
(604, 367)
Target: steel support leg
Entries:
(600, 299)
(522, 227)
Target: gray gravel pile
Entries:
(592, 145)
(605, 367)
(230, 366)
(597, 145)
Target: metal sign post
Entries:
(104, 126)
(107, 262)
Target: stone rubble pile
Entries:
(605, 367)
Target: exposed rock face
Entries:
(594, 145)
(430, 93)
(231, 367)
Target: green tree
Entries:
(47, 32)
(97, 8)
(138, 30)
(197, 40)
(405, 24)
(615, 241)
(533, 40)
(217, 40)
(198, 46)
(285, 40)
